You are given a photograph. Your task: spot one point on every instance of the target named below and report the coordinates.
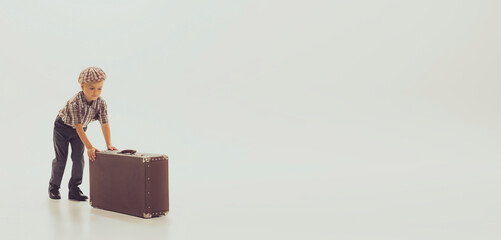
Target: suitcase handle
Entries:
(127, 151)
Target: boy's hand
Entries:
(91, 152)
(110, 147)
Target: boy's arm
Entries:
(107, 136)
(91, 151)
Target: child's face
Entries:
(92, 90)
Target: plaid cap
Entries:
(91, 74)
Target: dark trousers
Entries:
(63, 136)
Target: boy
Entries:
(69, 128)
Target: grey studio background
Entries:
(281, 119)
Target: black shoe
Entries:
(54, 193)
(77, 195)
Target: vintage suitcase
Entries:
(131, 183)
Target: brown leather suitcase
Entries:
(131, 183)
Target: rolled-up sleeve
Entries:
(103, 112)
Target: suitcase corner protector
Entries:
(147, 215)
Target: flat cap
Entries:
(91, 74)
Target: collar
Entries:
(84, 101)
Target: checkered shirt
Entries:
(78, 111)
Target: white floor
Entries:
(243, 208)
(391, 199)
